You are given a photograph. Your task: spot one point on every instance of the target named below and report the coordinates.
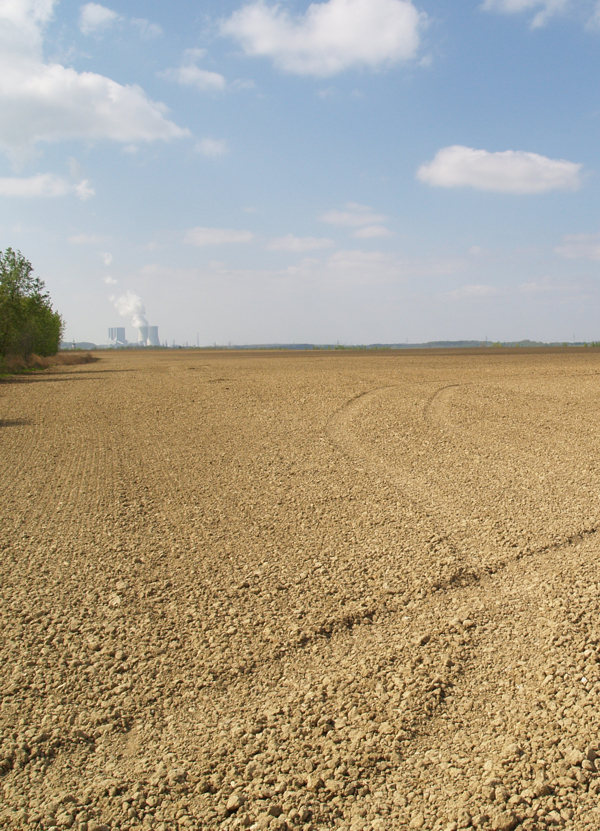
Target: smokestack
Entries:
(143, 335)
(153, 336)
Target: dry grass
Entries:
(14, 364)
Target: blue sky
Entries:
(349, 170)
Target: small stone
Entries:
(575, 757)
(385, 728)
(542, 789)
(417, 821)
(505, 821)
(314, 783)
(566, 813)
(235, 802)
(275, 811)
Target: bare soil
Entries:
(301, 591)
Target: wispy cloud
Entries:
(298, 244)
(471, 291)
(94, 18)
(190, 74)
(576, 246)
(212, 147)
(353, 215)
(544, 9)
(509, 171)
(88, 239)
(44, 185)
(372, 232)
(217, 236)
(148, 31)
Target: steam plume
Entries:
(130, 305)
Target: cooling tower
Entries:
(153, 336)
(116, 335)
(143, 335)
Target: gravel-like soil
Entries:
(301, 591)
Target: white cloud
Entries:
(298, 244)
(190, 74)
(110, 281)
(331, 36)
(44, 184)
(353, 215)
(575, 246)
(49, 102)
(372, 232)
(96, 18)
(216, 236)
(107, 257)
(546, 8)
(511, 171)
(212, 147)
(148, 31)
(471, 291)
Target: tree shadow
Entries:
(43, 378)
(14, 422)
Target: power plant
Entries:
(116, 336)
(147, 336)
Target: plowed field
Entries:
(302, 591)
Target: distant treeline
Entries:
(28, 324)
(433, 344)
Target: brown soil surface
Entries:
(301, 591)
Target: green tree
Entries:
(28, 324)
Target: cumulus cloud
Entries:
(331, 36)
(212, 147)
(298, 244)
(49, 102)
(190, 74)
(510, 171)
(110, 281)
(372, 232)
(576, 246)
(472, 291)
(353, 215)
(96, 18)
(545, 9)
(44, 184)
(107, 257)
(216, 236)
